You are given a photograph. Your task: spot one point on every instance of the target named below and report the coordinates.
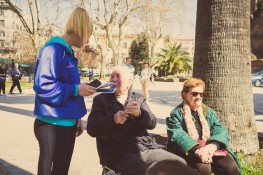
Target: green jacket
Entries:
(179, 142)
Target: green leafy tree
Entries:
(139, 51)
(172, 59)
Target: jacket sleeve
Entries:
(218, 131)
(147, 120)
(177, 134)
(46, 83)
(99, 123)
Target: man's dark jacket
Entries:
(113, 140)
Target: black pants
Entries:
(56, 145)
(2, 87)
(137, 164)
(15, 83)
(220, 166)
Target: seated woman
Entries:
(120, 123)
(196, 134)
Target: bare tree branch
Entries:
(14, 9)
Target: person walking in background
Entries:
(128, 64)
(91, 73)
(16, 76)
(59, 102)
(196, 134)
(146, 75)
(3, 76)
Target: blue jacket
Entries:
(55, 82)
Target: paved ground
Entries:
(19, 148)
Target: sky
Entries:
(186, 22)
(57, 11)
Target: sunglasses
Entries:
(145, 63)
(195, 94)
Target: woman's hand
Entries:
(120, 117)
(80, 128)
(86, 90)
(206, 153)
(133, 108)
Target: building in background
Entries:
(9, 23)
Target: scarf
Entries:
(191, 129)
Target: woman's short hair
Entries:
(191, 83)
(79, 23)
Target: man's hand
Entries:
(86, 90)
(133, 108)
(120, 117)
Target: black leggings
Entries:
(56, 145)
(16, 83)
(220, 166)
(2, 87)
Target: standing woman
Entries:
(16, 76)
(146, 75)
(2, 78)
(59, 102)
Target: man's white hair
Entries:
(124, 71)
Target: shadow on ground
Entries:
(19, 99)
(24, 112)
(10, 169)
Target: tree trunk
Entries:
(223, 60)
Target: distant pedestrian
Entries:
(59, 101)
(146, 76)
(3, 76)
(16, 77)
(91, 73)
(128, 64)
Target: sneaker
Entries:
(11, 93)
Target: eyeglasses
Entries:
(195, 94)
(145, 63)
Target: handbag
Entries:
(219, 152)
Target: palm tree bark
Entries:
(223, 60)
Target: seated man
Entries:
(120, 123)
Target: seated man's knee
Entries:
(169, 167)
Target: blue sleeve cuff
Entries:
(76, 90)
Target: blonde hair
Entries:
(191, 83)
(79, 23)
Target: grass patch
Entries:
(252, 164)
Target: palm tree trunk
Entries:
(223, 60)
